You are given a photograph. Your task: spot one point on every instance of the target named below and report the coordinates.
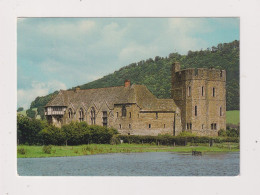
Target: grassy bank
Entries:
(232, 117)
(56, 151)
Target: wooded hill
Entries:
(155, 73)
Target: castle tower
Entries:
(201, 96)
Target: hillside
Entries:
(156, 75)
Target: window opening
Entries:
(196, 72)
(123, 110)
(189, 91)
(70, 113)
(93, 116)
(105, 118)
(81, 115)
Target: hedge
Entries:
(173, 140)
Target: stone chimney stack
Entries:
(127, 83)
(76, 89)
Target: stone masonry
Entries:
(198, 105)
(201, 96)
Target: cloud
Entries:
(180, 35)
(65, 29)
(137, 52)
(26, 96)
(188, 25)
(75, 51)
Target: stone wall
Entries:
(192, 90)
(135, 122)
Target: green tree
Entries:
(28, 130)
(31, 113)
(20, 109)
(156, 74)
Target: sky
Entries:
(60, 53)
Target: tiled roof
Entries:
(138, 94)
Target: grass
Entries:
(232, 117)
(22, 113)
(56, 151)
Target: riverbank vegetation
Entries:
(38, 132)
(24, 151)
(38, 139)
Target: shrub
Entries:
(115, 140)
(177, 140)
(186, 134)
(222, 133)
(21, 150)
(52, 135)
(28, 130)
(47, 149)
(233, 132)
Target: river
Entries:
(133, 164)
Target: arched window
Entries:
(123, 110)
(105, 118)
(93, 116)
(213, 92)
(70, 113)
(81, 115)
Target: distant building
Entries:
(198, 105)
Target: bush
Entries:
(222, 133)
(233, 132)
(47, 149)
(115, 140)
(28, 130)
(21, 151)
(186, 134)
(52, 135)
(174, 140)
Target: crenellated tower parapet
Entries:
(201, 95)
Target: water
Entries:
(133, 164)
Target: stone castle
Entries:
(198, 105)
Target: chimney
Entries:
(176, 67)
(127, 83)
(76, 89)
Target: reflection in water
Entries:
(133, 164)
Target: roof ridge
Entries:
(100, 88)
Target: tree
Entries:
(31, 113)
(152, 72)
(28, 130)
(20, 109)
